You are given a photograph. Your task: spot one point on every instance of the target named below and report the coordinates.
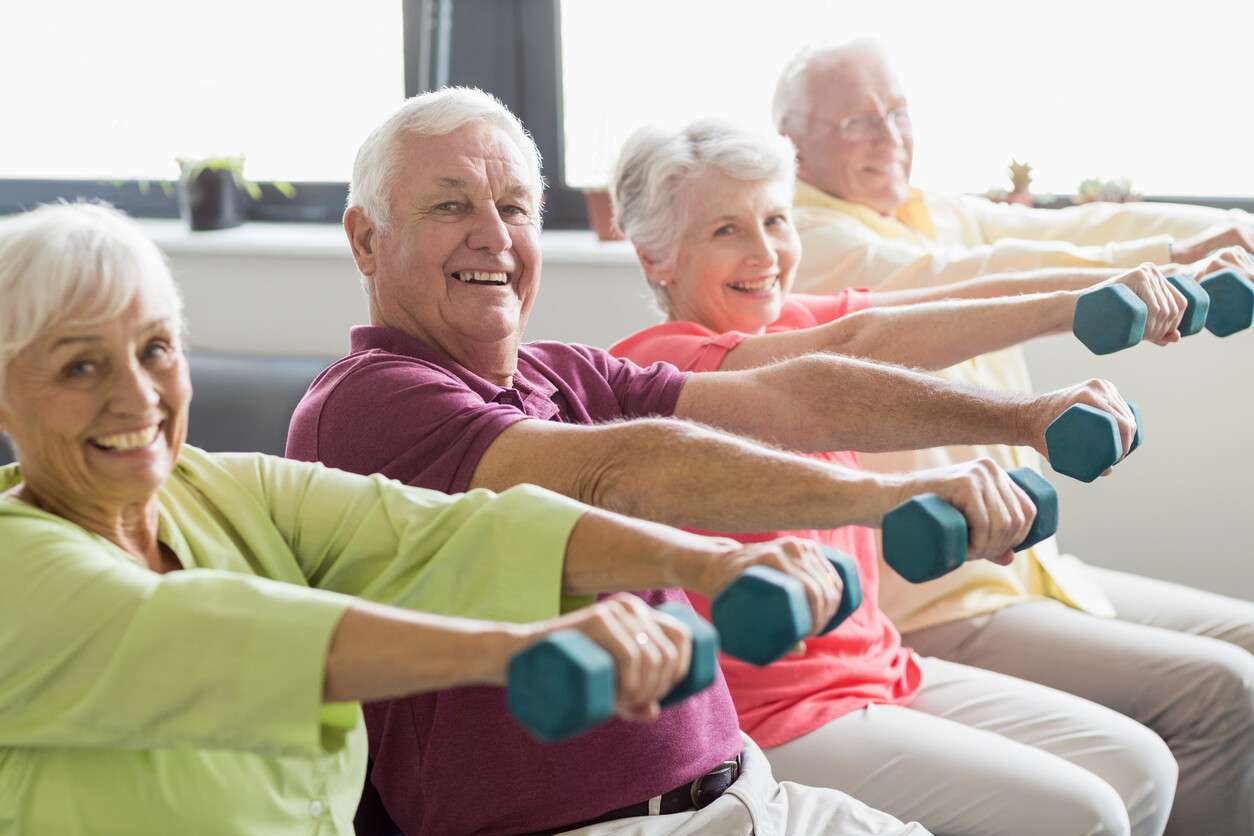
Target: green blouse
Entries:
(190, 703)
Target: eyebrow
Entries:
(96, 338)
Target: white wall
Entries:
(1175, 510)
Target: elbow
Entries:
(632, 474)
(861, 335)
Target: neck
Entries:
(495, 361)
(131, 526)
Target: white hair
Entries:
(650, 182)
(79, 263)
(792, 104)
(430, 114)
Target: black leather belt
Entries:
(695, 795)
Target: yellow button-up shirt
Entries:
(938, 239)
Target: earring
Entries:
(662, 283)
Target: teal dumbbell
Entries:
(1109, 319)
(564, 684)
(1231, 303)
(1084, 441)
(1199, 304)
(763, 613)
(926, 537)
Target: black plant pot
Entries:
(212, 200)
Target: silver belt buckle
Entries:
(730, 766)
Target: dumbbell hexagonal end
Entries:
(851, 598)
(1136, 439)
(924, 538)
(560, 686)
(1198, 304)
(1045, 498)
(760, 615)
(1109, 319)
(1083, 442)
(1231, 303)
(704, 653)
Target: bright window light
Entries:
(116, 90)
(1076, 88)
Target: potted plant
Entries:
(213, 192)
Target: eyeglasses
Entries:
(863, 128)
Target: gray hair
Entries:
(430, 114)
(655, 166)
(791, 106)
(79, 263)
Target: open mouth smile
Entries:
(757, 286)
(126, 441)
(480, 277)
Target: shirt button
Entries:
(317, 808)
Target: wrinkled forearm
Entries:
(827, 402)
(380, 652)
(683, 474)
(936, 335)
(1046, 280)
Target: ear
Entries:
(362, 238)
(653, 271)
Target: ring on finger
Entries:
(642, 638)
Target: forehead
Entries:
(852, 86)
(714, 194)
(478, 153)
(141, 315)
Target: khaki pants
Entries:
(759, 805)
(982, 754)
(1175, 659)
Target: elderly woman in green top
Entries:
(178, 649)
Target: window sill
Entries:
(278, 240)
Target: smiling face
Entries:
(857, 143)
(737, 254)
(459, 265)
(98, 413)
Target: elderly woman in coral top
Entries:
(962, 750)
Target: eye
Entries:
(777, 220)
(447, 206)
(158, 349)
(724, 230)
(79, 369)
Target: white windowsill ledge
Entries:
(278, 240)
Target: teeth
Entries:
(128, 441)
(764, 284)
(481, 277)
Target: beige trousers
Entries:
(1176, 659)
(982, 754)
(759, 805)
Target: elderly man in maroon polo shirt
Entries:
(440, 391)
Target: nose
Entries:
(887, 126)
(760, 251)
(488, 231)
(133, 391)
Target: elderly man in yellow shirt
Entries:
(1176, 659)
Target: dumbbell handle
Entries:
(589, 698)
(925, 537)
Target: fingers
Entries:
(647, 654)
(803, 560)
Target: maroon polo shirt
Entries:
(454, 761)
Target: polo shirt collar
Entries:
(532, 392)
